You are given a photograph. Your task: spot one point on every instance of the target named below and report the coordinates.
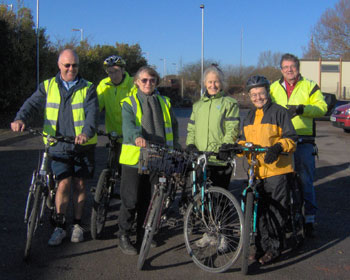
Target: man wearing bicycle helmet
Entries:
(112, 90)
(269, 125)
(304, 101)
(70, 108)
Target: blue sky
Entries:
(172, 29)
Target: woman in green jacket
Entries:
(214, 122)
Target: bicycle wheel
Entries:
(212, 230)
(101, 204)
(150, 229)
(33, 218)
(297, 213)
(247, 229)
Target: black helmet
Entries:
(257, 81)
(114, 60)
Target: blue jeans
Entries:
(305, 167)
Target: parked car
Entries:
(331, 101)
(341, 117)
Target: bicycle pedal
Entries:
(172, 222)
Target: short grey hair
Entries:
(217, 71)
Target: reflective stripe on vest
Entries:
(53, 101)
(130, 153)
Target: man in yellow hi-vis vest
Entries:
(70, 109)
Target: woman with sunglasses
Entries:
(147, 118)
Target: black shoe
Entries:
(126, 246)
(309, 230)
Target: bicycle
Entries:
(106, 185)
(250, 199)
(170, 166)
(213, 215)
(42, 190)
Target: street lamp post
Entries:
(175, 64)
(164, 67)
(81, 33)
(37, 43)
(202, 57)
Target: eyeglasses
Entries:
(293, 67)
(68, 65)
(255, 95)
(151, 81)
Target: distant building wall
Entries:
(333, 76)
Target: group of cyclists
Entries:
(282, 119)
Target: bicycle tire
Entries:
(297, 214)
(222, 222)
(100, 205)
(33, 218)
(150, 229)
(248, 213)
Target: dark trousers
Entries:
(135, 193)
(220, 175)
(272, 213)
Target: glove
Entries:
(227, 150)
(295, 110)
(273, 153)
(191, 148)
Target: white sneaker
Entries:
(56, 238)
(205, 241)
(223, 246)
(77, 234)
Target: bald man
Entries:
(77, 115)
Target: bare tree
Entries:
(269, 59)
(311, 52)
(332, 32)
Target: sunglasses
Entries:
(151, 81)
(67, 65)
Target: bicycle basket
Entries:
(167, 162)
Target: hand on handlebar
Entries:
(18, 125)
(81, 139)
(227, 150)
(273, 153)
(140, 142)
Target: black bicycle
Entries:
(213, 221)
(250, 201)
(171, 166)
(107, 183)
(42, 190)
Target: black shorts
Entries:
(75, 164)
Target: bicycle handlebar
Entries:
(111, 135)
(51, 138)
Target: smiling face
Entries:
(212, 83)
(68, 63)
(289, 71)
(146, 83)
(258, 96)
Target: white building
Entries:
(333, 76)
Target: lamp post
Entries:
(175, 64)
(81, 33)
(202, 56)
(37, 43)
(164, 67)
